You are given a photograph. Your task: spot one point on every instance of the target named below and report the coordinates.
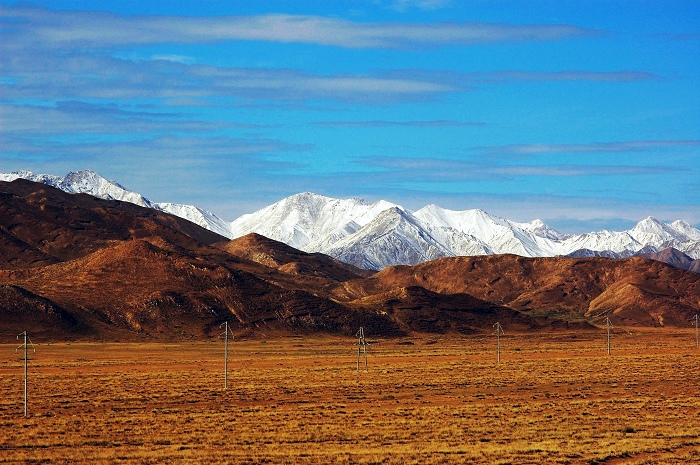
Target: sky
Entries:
(584, 114)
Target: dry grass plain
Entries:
(554, 398)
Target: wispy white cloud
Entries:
(90, 30)
(404, 5)
(428, 169)
(71, 117)
(598, 147)
(472, 79)
(567, 75)
(175, 58)
(195, 149)
(410, 124)
(583, 170)
(687, 36)
(43, 75)
(438, 177)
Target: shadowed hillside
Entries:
(676, 258)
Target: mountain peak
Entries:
(307, 196)
(649, 221)
(651, 227)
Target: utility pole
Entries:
(608, 324)
(26, 359)
(499, 331)
(697, 345)
(227, 330)
(361, 345)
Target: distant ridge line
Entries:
(380, 234)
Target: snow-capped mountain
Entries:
(379, 234)
(83, 182)
(89, 182)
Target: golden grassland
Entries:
(554, 398)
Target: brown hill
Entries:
(40, 225)
(630, 291)
(74, 267)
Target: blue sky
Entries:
(585, 114)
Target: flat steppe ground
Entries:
(553, 398)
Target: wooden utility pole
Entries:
(227, 330)
(361, 345)
(499, 331)
(26, 361)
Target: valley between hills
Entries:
(75, 267)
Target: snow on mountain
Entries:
(540, 229)
(686, 230)
(203, 218)
(457, 242)
(310, 222)
(616, 242)
(498, 235)
(49, 179)
(379, 234)
(394, 236)
(89, 182)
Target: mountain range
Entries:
(74, 266)
(380, 234)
